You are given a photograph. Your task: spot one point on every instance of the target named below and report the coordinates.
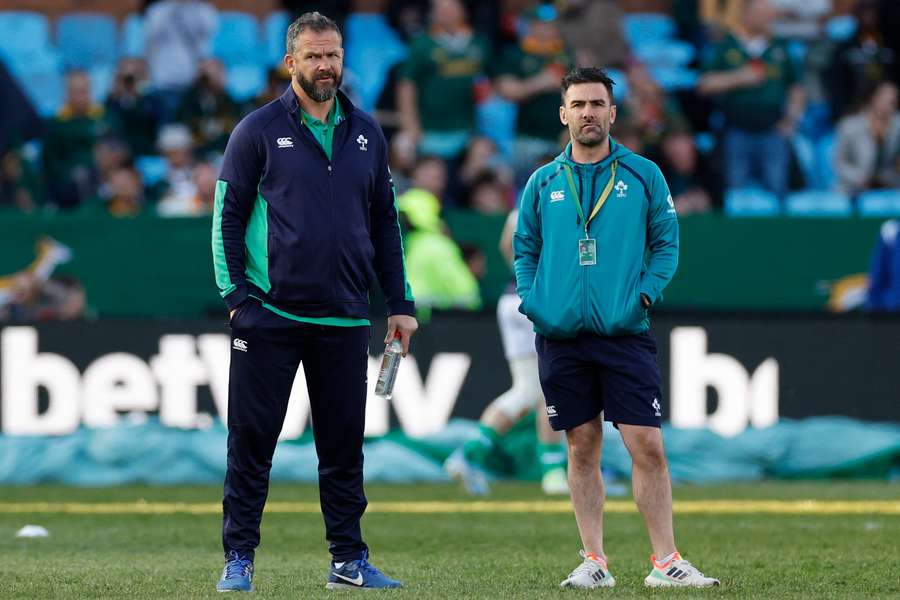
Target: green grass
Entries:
(482, 555)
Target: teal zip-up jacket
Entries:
(636, 233)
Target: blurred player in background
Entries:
(596, 243)
(468, 462)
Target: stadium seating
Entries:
(101, 81)
(674, 78)
(620, 81)
(641, 27)
(39, 72)
(89, 39)
(132, 42)
(22, 31)
(825, 149)
(665, 53)
(237, 41)
(818, 203)
(841, 28)
(497, 120)
(153, 169)
(372, 49)
(879, 203)
(245, 81)
(751, 202)
(275, 26)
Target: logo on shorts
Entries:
(285, 142)
(239, 345)
(621, 187)
(656, 407)
(551, 411)
(557, 196)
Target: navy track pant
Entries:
(265, 353)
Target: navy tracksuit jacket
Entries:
(307, 236)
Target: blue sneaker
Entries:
(358, 574)
(237, 576)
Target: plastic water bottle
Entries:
(389, 365)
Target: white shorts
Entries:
(516, 330)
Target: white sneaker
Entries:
(555, 483)
(677, 573)
(590, 574)
(473, 479)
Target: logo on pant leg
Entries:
(551, 411)
(656, 407)
(239, 345)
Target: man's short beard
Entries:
(320, 94)
(589, 140)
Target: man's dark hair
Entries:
(587, 75)
(313, 21)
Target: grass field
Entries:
(136, 542)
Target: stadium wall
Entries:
(149, 266)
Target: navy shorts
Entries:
(586, 375)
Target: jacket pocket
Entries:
(300, 267)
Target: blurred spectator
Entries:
(721, 16)
(884, 273)
(488, 196)
(752, 78)
(131, 109)
(687, 176)
(178, 34)
(69, 143)
(430, 174)
(193, 204)
(483, 160)
(801, 19)
(435, 264)
(110, 155)
(176, 145)
(60, 297)
(126, 194)
(436, 93)
(208, 110)
(868, 144)
(860, 62)
(529, 74)
(20, 184)
(649, 110)
(629, 135)
(277, 79)
(594, 29)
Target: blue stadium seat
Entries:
(372, 49)
(497, 120)
(237, 41)
(620, 79)
(101, 81)
(275, 25)
(841, 27)
(805, 151)
(666, 53)
(674, 78)
(751, 202)
(133, 42)
(642, 28)
(879, 203)
(818, 203)
(39, 72)
(825, 149)
(22, 30)
(245, 81)
(88, 39)
(153, 169)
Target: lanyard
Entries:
(600, 201)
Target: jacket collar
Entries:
(292, 105)
(616, 150)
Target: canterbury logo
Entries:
(239, 344)
(285, 142)
(557, 196)
(551, 411)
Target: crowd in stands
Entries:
(734, 99)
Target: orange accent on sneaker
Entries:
(676, 556)
(594, 557)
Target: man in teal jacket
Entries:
(596, 243)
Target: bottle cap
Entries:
(397, 335)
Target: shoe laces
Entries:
(588, 566)
(366, 567)
(236, 566)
